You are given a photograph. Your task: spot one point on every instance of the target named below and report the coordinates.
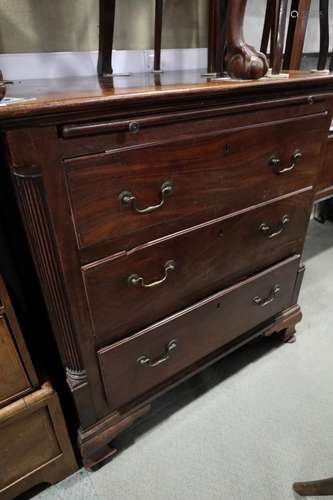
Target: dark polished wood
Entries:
(107, 10)
(274, 29)
(241, 60)
(119, 181)
(135, 365)
(298, 22)
(323, 487)
(158, 34)
(324, 33)
(96, 194)
(200, 256)
(217, 36)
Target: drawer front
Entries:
(27, 441)
(133, 196)
(132, 367)
(157, 280)
(82, 139)
(13, 379)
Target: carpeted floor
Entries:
(245, 429)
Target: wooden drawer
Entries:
(205, 260)
(100, 136)
(35, 447)
(14, 381)
(194, 333)
(196, 179)
(17, 374)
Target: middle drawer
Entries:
(131, 290)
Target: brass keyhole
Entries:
(227, 148)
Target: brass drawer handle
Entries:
(267, 230)
(136, 280)
(265, 302)
(275, 162)
(149, 363)
(128, 199)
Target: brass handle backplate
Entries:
(149, 363)
(275, 162)
(265, 302)
(136, 280)
(271, 233)
(128, 199)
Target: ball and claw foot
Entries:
(244, 62)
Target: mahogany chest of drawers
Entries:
(166, 219)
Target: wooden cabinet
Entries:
(166, 223)
(17, 374)
(34, 443)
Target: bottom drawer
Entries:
(137, 364)
(34, 443)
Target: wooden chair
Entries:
(216, 36)
(298, 22)
(107, 9)
(241, 60)
(226, 37)
(274, 29)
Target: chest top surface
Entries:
(46, 97)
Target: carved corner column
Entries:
(241, 60)
(30, 192)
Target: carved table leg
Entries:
(324, 34)
(216, 36)
(277, 36)
(315, 488)
(107, 10)
(242, 60)
(158, 35)
(299, 15)
(267, 27)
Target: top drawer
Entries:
(140, 193)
